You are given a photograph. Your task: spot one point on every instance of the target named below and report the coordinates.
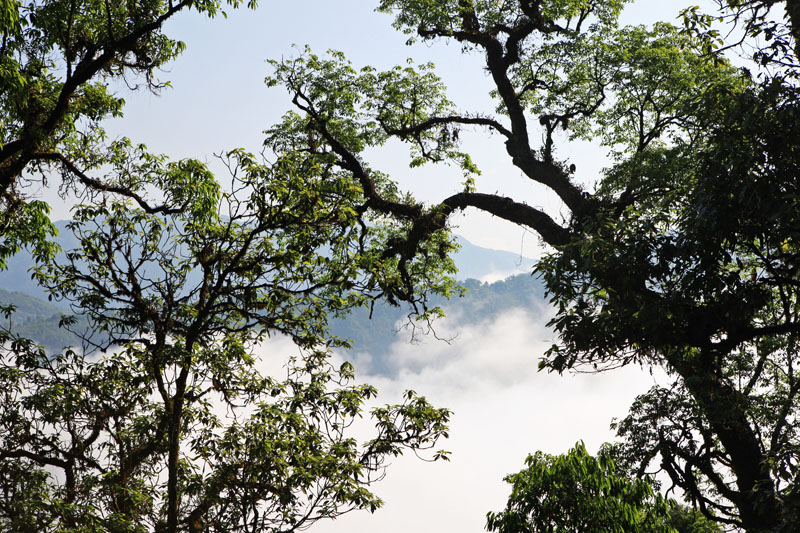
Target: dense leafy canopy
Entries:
(578, 493)
(178, 428)
(175, 425)
(284, 465)
(682, 255)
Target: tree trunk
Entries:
(724, 409)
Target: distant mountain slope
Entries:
(17, 277)
(473, 262)
(484, 264)
(482, 301)
(36, 319)
(27, 306)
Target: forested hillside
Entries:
(39, 320)
(389, 324)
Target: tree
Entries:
(577, 492)
(57, 60)
(686, 520)
(684, 254)
(176, 428)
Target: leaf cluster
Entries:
(579, 493)
(177, 428)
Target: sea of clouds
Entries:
(503, 410)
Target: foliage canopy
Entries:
(681, 256)
(177, 426)
(579, 493)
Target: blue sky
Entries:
(219, 101)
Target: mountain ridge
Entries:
(371, 331)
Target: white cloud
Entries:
(503, 410)
(492, 354)
(500, 275)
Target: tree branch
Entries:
(516, 212)
(438, 121)
(97, 185)
(30, 139)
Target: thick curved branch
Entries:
(516, 212)
(438, 121)
(97, 185)
(35, 457)
(505, 208)
(749, 333)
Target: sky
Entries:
(218, 99)
(503, 408)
